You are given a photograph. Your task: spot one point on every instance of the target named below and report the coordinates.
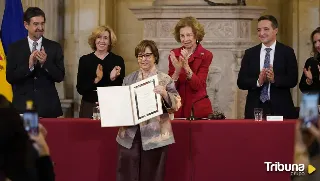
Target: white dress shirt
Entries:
(263, 53)
(38, 47)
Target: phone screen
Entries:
(31, 121)
(309, 111)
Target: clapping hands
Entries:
(182, 62)
(115, 72)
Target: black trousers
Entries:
(86, 109)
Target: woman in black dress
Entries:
(310, 82)
(100, 68)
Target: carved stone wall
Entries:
(228, 34)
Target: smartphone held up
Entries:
(31, 119)
(309, 110)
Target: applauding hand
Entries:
(99, 73)
(270, 74)
(115, 73)
(41, 56)
(175, 62)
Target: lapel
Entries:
(198, 53)
(277, 53)
(256, 59)
(44, 44)
(196, 58)
(26, 47)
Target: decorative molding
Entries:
(226, 3)
(226, 29)
(178, 2)
(200, 12)
(244, 29)
(151, 26)
(213, 44)
(165, 29)
(220, 29)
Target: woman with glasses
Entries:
(142, 150)
(189, 67)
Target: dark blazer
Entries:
(39, 84)
(285, 75)
(315, 86)
(196, 88)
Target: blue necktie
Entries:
(264, 92)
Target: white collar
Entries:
(273, 46)
(31, 41)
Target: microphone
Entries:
(191, 118)
(192, 107)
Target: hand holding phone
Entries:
(31, 121)
(309, 111)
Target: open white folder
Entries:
(129, 105)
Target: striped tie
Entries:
(34, 46)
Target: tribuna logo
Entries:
(294, 169)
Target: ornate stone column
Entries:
(228, 34)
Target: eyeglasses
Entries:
(147, 55)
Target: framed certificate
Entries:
(129, 105)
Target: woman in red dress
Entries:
(189, 67)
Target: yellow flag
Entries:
(5, 87)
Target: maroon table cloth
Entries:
(225, 150)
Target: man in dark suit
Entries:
(268, 71)
(34, 64)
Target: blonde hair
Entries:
(192, 22)
(96, 32)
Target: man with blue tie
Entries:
(268, 71)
